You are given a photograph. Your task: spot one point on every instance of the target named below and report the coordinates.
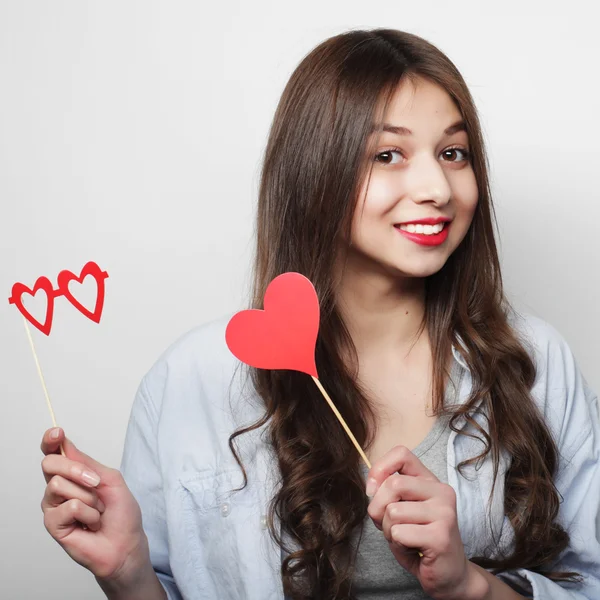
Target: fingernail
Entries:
(371, 487)
(90, 478)
(55, 433)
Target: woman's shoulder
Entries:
(198, 368)
(560, 389)
(555, 361)
(202, 347)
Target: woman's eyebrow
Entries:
(399, 130)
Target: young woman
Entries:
(482, 431)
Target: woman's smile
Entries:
(425, 235)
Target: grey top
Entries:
(377, 575)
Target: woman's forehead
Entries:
(418, 105)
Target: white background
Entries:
(131, 134)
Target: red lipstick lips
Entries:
(425, 239)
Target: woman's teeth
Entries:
(424, 229)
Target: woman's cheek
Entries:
(466, 192)
(382, 196)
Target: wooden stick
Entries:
(341, 419)
(345, 426)
(39, 370)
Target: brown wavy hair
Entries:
(318, 154)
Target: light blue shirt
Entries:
(207, 542)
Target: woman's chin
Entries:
(416, 269)
(412, 267)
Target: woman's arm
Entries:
(141, 470)
(579, 485)
(570, 407)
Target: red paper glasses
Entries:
(44, 285)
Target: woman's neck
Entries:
(382, 313)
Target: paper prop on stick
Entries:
(43, 284)
(284, 334)
(64, 278)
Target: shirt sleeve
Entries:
(578, 482)
(140, 467)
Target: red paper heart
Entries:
(42, 284)
(93, 270)
(284, 334)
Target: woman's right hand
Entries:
(99, 525)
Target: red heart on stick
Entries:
(284, 334)
(42, 284)
(90, 269)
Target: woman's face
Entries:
(421, 170)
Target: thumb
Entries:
(107, 475)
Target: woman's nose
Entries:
(427, 181)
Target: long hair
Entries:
(317, 156)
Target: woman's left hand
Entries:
(417, 512)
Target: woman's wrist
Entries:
(141, 583)
(486, 586)
(477, 586)
(474, 586)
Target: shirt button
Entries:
(225, 509)
(263, 522)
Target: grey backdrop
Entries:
(131, 134)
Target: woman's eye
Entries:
(451, 153)
(386, 157)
